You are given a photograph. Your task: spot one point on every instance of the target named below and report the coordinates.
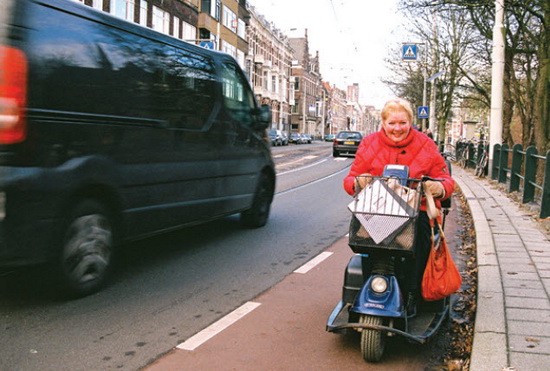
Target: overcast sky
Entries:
(353, 38)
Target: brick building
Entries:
(307, 87)
(268, 66)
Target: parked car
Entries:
(295, 138)
(329, 137)
(110, 131)
(276, 137)
(346, 142)
(308, 138)
(285, 139)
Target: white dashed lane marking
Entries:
(208, 333)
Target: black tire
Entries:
(479, 170)
(373, 342)
(87, 248)
(462, 162)
(335, 154)
(258, 214)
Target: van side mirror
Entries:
(264, 116)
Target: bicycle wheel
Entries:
(480, 168)
(462, 161)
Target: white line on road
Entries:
(301, 167)
(313, 262)
(203, 336)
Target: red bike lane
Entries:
(286, 331)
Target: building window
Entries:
(123, 9)
(97, 4)
(176, 28)
(229, 19)
(188, 32)
(143, 8)
(265, 81)
(229, 49)
(241, 58)
(218, 10)
(241, 29)
(212, 7)
(274, 84)
(161, 20)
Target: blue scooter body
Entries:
(386, 304)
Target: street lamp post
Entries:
(432, 104)
(497, 78)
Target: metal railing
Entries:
(521, 173)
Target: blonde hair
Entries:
(397, 104)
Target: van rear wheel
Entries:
(258, 214)
(87, 248)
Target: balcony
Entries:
(259, 59)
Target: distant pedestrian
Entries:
(429, 134)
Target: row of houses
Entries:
(281, 69)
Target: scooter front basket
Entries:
(385, 215)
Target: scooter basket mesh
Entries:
(384, 217)
(402, 240)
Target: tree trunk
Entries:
(541, 104)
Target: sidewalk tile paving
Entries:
(513, 311)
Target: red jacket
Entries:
(417, 151)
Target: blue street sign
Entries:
(423, 112)
(409, 52)
(207, 44)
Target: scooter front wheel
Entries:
(373, 342)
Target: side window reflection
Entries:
(238, 99)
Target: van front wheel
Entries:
(86, 252)
(258, 214)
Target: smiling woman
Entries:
(397, 119)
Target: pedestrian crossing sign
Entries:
(423, 112)
(409, 52)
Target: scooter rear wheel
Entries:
(373, 342)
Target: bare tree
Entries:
(527, 60)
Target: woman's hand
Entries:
(361, 181)
(436, 188)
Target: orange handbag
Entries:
(441, 277)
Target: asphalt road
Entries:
(167, 288)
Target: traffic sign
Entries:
(409, 52)
(207, 44)
(423, 112)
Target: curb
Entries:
(489, 343)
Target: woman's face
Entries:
(397, 126)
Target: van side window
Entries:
(238, 100)
(121, 77)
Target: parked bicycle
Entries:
(483, 162)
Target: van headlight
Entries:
(379, 284)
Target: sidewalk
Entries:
(512, 328)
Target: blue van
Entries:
(110, 131)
